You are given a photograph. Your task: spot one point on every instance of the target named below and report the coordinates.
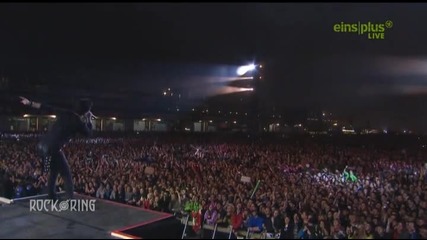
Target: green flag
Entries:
(346, 175)
(353, 177)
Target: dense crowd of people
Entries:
(301, 192)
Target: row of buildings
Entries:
(323, 124)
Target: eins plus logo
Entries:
(374, 31)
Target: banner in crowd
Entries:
(245, 179)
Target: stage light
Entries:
(120, 235)
(244, 69)
(241, 70)
(245, 89)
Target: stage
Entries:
(109, 220)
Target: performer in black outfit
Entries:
(68, 124)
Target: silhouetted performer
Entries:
(68, 124)
(6, 186)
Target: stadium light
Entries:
(244, 69)
(246, 89)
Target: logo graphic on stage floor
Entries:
(71, 205)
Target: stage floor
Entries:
(17, 221)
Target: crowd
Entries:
(302, 193)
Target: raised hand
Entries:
(25, 101)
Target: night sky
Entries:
(307, 64)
